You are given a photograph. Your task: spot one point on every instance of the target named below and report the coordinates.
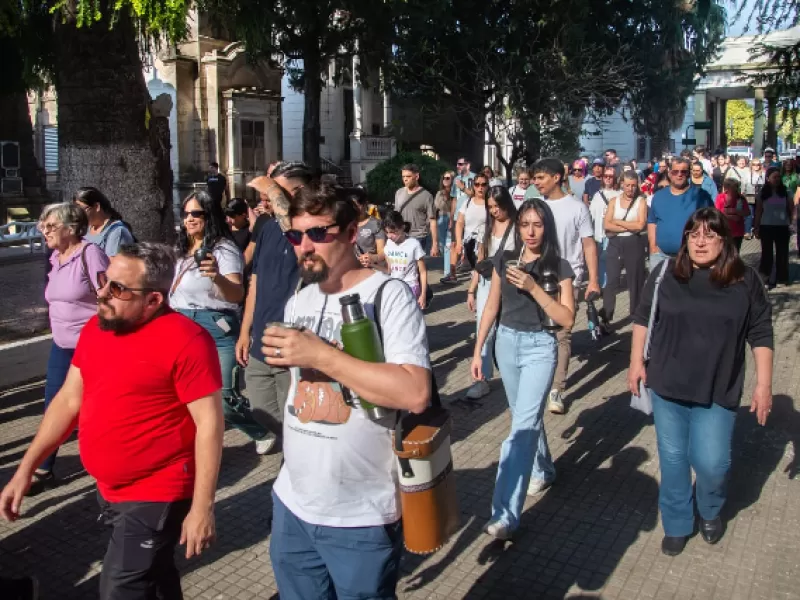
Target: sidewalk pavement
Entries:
(594, 534)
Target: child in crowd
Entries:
(732, 203)
(404, 256)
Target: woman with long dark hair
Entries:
(774, 214)
(208, 288)
(445, 205)
(709, 304)
(106, 227)
(497, 237)
(526, 350)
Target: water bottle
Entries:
(592, 318)
(360, 340)
(549, 284)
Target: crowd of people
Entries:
(250, 298)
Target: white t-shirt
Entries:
(474, 218)
(573, 223)
(597, 208)
(196, 292)
(339, 469)
(402, 260)
(494, 242)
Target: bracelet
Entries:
(470, 292)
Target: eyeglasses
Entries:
(697, 235)
(679, 172)
(446, 178)
(48, 227)
(318, 235)
(117, 290)
(195, 214)
(461, 164)
(480, 185)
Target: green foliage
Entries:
(384, 180)
(743, 117)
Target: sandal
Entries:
(41, 482)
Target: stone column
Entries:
(358, 109)
(722, 125)
(700, 114)
(232, 147)
(772, 131)
(758, 124)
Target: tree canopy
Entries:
(742, 116)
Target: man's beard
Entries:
(317, 273)
(115, 324)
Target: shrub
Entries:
(385, 179)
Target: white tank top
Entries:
(619, 214)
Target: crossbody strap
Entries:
(653, 308)
(410, 198)
(509, 227)
(85, 269)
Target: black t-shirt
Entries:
(217, 184)
(519, 310)
(260, 220)
(593, 185)
(697, 348)
(242, 238)
(275, 267)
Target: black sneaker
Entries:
(41, 483)
(24, 588)
(449, 279)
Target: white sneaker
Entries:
(498, 531)
(479, 389)
(554, 403)
(537, 486)
(263, 446)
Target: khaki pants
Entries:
(267, 389)
(564, 337)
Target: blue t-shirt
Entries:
(276, 271)
(709, 186)
(669, 213)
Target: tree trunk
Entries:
(104, 140)
(16, 126)
(312, 92)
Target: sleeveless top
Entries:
(619, 214)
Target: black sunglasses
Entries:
(118, 291)
(318, 235)
(479, 184)
(197, 214)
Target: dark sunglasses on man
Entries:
(117, 290)
(318, 235)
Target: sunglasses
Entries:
(608, 176)
(460, 164)
(679, 172)
(117, 290)
(195, 214)
(480, 185)
(446, 178)
(318, 235)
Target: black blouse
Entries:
(697, 349)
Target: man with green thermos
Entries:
(336, 516)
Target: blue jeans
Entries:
(527, 361)
(691, 436)
(656, 259)
(748, 220)
(442, 226)
(226, 350)
(601, 261)
(315, 562)
(487, 366)
(57, 368)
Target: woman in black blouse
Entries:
(709, 305)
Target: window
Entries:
(253, 153)
(51, 149)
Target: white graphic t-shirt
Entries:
(573, 223)
(402, 260)
(339, 469)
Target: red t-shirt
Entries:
(736, 222)
(136, 432)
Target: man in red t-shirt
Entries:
(144, 388)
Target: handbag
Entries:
(643, 402)
(484, 267)
(421, 443)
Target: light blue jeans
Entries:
(527, 361)
(691, 436)
(444, 241)
(481, 296)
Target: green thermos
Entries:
(360, 340)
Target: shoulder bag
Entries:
(421, 444)
(643, 402)
(85, 270)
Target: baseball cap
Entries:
(599, 161)
(768, 149)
